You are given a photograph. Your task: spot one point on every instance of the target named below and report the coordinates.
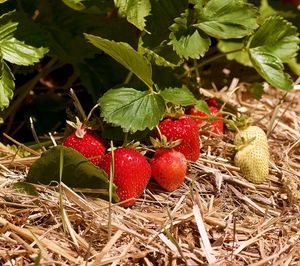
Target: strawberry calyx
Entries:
(132, 145)
(163, 143)
(238, 123)
(174, 111)
(80, 128)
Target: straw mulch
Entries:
(215, 218)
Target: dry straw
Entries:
(215, 218)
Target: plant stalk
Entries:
(209, 60)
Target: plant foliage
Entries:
(113, 48)
(77, 171)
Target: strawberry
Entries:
(83, 141)
(212, 102)
(252, 154)
(217, 126)
(168, 168)
(249, 134)
(131, 173)
(183, 128)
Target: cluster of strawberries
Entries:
(168, 167)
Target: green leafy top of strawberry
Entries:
(216, 126)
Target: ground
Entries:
(215, 218)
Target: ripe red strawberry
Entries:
(87, 144)
(131, 173)
(186, 129)
(216, 127)
(212, 102)
(168, 168)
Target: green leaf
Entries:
(156, 45)
(225, 19)
(202, 106)
(125, 55)
(188, 42)
(63, 33)
(17, 52)
(78, 172)
(270, 68)
(161, 18)
(268, 52)
(226, 46)
(26, 188)
(257, 90)
(277, 37)
(131, 109)
(7, 29)
(192, 44)
(135, 11)
(294, 66)
(162, 55)
(75, 4)
(179, 96)
(7, 85)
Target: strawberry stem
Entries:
(35, 136)
(77, 105)
(275, 113)
(90, 113)
(110, 189)
(61, 206)
(125, 141)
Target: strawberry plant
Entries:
(153, 40)
(136, 60)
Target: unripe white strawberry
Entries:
(253, 154)
(251, 134)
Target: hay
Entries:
(215, 218)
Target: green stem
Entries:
(125, 141)
(216, 57)
(61, 205)
(128, 78)
(209, 60)
(110, 190)
(26, 88)
(275, 113)
(197, 70)
(78, 105)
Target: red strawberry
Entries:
(169, 168)
(87, 144)
(131, 173)
(216, 127)
(186, 129)
(212, 102)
